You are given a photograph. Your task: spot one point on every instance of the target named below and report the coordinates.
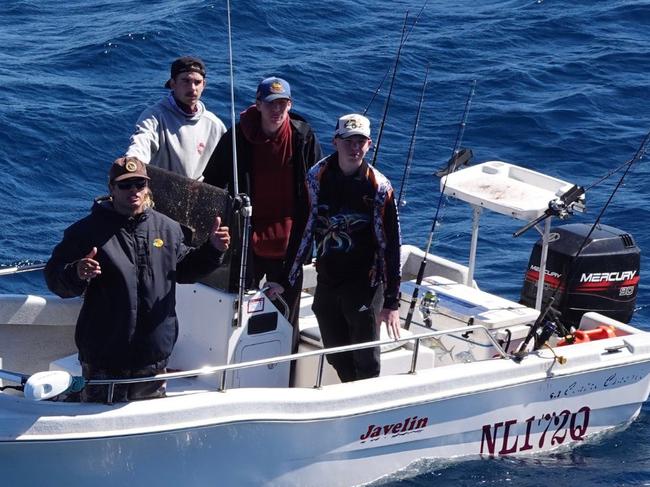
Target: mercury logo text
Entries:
(546, 271)
(608, 276)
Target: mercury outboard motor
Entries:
(604, 278)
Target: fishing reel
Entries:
(428, 306)
(541, 331)
(564, 205)
(242, 204)
(553, 325)
(547, 328)
(561, 207)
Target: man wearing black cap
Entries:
(178, 133)
(275, 149)
(125, 258)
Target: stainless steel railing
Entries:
(321, 354)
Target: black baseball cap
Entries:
(186, 64)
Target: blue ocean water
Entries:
(562, 87)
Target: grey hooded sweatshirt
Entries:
(171, 139)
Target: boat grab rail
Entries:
(321, 354)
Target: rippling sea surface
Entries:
(562, 87)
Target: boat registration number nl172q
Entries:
(554, 428)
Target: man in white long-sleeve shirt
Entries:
(178, 133)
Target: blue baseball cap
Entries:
(273, 88)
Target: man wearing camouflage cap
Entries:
(354, 225)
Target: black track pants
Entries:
(346, 315)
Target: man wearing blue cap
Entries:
(275, 149)
(178, 133)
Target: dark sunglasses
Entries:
(137, 184)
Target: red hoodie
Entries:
(271, 185)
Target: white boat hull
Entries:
(340, 435)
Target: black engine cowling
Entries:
(604, 277)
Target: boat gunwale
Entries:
(343, 393)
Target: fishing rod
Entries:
(609, 174)
(409, 159)
(16, 269)
(563, 205)
(542, 329)
(463, 122)
(232, 105)
(390, 90)
(403, 40)
(242, 202)
(423, 264)
(374, 95)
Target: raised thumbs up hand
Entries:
(219, 236)
(88, 268)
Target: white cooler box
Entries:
(454, 305)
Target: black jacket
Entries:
(306, 152)
(128, 317)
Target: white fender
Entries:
(47, 384)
